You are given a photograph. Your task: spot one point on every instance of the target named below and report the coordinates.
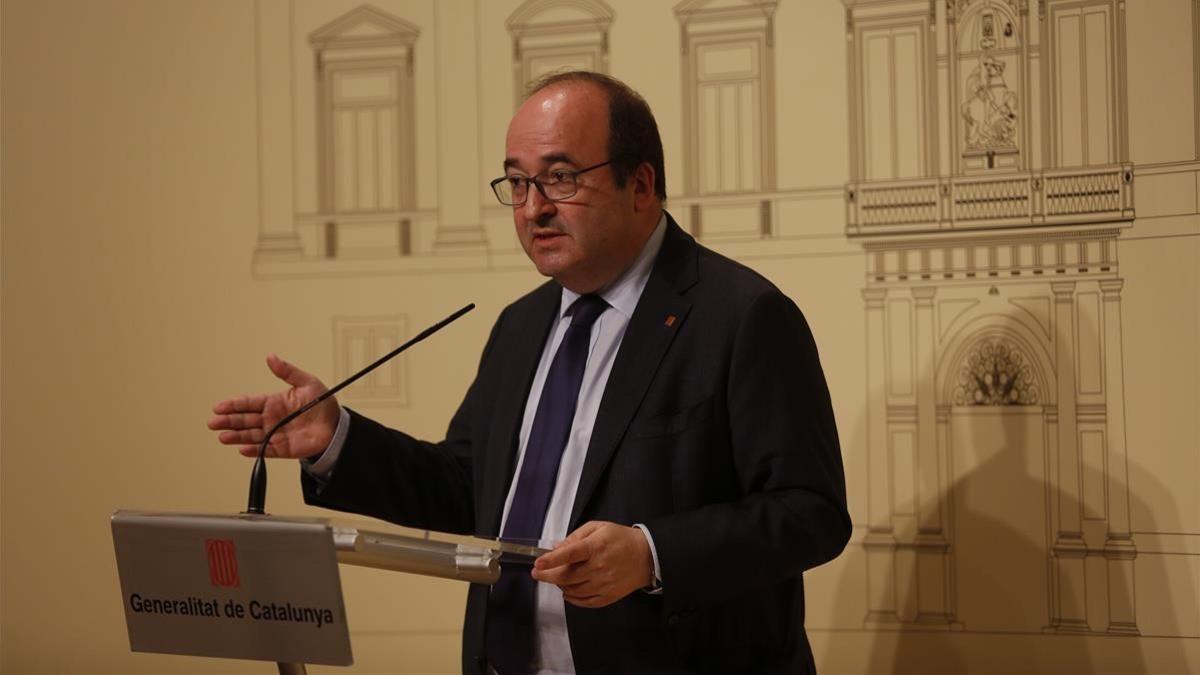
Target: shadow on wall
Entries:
(998, 595)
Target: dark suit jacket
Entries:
(715, 430)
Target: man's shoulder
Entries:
(536, 303)
(713, 274)
(730, 287)
(730, 274)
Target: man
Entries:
(659, 406)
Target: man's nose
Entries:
(537, 206)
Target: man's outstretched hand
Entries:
(244, 420)
(598, 564)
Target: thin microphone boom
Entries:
(258, 476)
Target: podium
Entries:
(266, 587)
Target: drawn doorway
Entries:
(999, 551)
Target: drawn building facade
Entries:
(990, 185)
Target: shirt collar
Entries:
(623, 293)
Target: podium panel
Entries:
(244, 587)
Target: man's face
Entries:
(585, 241)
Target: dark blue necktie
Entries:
(511, 624)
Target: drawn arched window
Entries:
(729, 95)
(551, 35)
(364, 64)
(990, 106)
(996, 372)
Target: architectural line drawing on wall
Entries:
(727, 62)
(365, 127)
(1196, 73)
(550, 35)
(993, 303)
(342, 100)
(346, 100)
(992, 114)
(357, 342)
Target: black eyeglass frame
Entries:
(495, 184)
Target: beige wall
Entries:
(164, 226)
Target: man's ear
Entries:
(643, 187)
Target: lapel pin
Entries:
(670, 320)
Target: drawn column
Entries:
(1070, 550)
(880, 541)
(1119, 547)
(931, 545)
(277, 238)
(460, 227)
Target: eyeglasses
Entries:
(555, 185)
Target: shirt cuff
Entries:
(656, 587)
(321, 466)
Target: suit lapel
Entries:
(647, 338)
(522, 349)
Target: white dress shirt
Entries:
(622, 295)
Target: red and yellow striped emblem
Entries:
(222, 562)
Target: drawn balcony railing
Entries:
(1049, 197)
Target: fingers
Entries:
(252, 451)
(575, 548)
(289, 373)
(589, 588)
(565, 553)
(243, 420)
(235, 421)
(241, 404)
(575, 579)
(597, 565)
(241, 437)
(585, 530)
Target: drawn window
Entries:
(728, 116)
(1083, 84)
(364, 72)
(728, 83)
(893, 90)
(364, 137)
(359, 341)
(550, 35)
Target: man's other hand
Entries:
(244, 420)
(598, 564)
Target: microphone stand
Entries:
(258, 476)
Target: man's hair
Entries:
(632, 132)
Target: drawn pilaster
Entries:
(460, 227)
(931, 545)
(1119, 547)
(1070, 550)
(880, 541)
(277, 238)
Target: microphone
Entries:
(258, 476)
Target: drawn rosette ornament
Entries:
(996, 373)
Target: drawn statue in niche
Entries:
(995, 374)
(990, 109)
